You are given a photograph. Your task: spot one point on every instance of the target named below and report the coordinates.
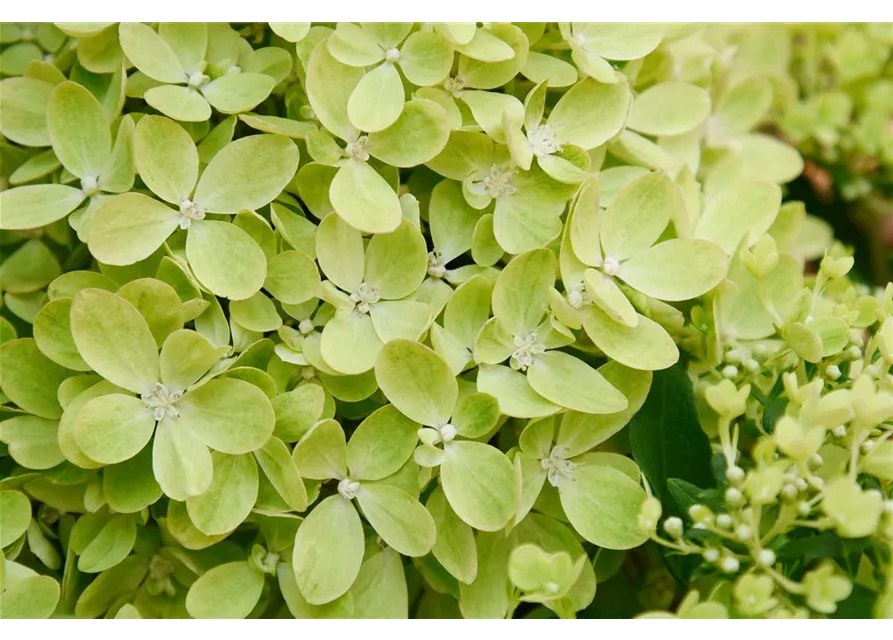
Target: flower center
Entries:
(436, 266)
(308, 373)
(90, 186)
(447, 432)
(197, 79)
(455, 86)
(392, 55)
(348, 488)
(611, 266)
(556, 465)
(190, 211)
(305, 326)
(365, 297)
(543, 140)
(358, 150)
(160, 572)
(499, 181)
(526, 350)
(234, 69)
(577, 297)
(161, 401)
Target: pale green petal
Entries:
(494, 343)
(292, 277)
(247, 174)
(113, 428)
(669, 109)
(297, 411)
(291, 31)
(78, 130)
(228, 591)
(521, 222)
(225, 259)
(468, 309)
(377, 100)
(158, 303)
(638, 215)
(590, 113)
(396, 262)
(416, 381)
(150, 53)
(380, 591)
(14, 516)
(339, 250)
(571, 383)
(279, 467)
(451, 220)
(401, 521)
(455, 547)
(605, 293)
(322, 453)
(541, 67)
(426, 58)
(257, 313)
(37, 205)
(181, 461)
(475, 415)
(33, 598)
(113, 338)
(621, 41)
(229, 415)
(349, 345)
(364, 199)
(603, 505)
(766, 158)
(329, 86)
(117, 176)
(328, 550)
(32, 442)
(130, 487)
(513, 392)
(479, 483)
(180, 103)
(102, 540)
(354, 46)
(229, 499)
(676, 269)
(129, 227)
(489, 75)
(489, 110)
(486, 47)
(185, 357)
(521, 294)
(238, 92)
(52, 333)
(740, 210)
(417, 136)
(646, 346)
(24, 104)
(400, 319)
(166, 158)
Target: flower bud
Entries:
(724, 521)
(735, 475)
(762, 259)
(673, 527)
(766, 558)
(649, 514)
(836, 267)
(743, 532)
(730, 564)
(711, 555)
(726, 399)
(733, 497)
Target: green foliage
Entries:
(350, 320)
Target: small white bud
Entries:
(751, 365)
(766, 558)
(734, 497)
(832, 372)
(448, 432)
(816, 482)
(803, 508)
(839, 431)
(801, 484)
(711, 555)
(888, 506)
(867, 446)
(724, 520)
(305, 326)
(816, 460)
(673, 526)
(730, 564)
(735, 475)
(729, 372)
(853, 352)
(789, 492)
(733, 356)
(743, 532)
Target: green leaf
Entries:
(666, 437)
(381, 444)
(603, 505)
(229, 499)
(113, 428)
(377, 100)
(229, 591)
(479, 483)
(229, 415)
(128, 228)
(400, 520)
(37, 205)
(417, 382)
(247, 174)
(571, 383)
(31, 441)
(32, 598)
(396, 262)
(113, 338)
(30, 379)
(102, 540)
(225, 259)
(328, 550)
(130, 487)
(380, 590)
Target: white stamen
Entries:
(365, 298)
(526, 350)
(543, 140)
(161, 401)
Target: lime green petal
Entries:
(416, 381)
(426, 58)
(129, 227)
(339, 249)
(113, 428)
(590, 113)
(238, 92)
(225, 259)
(571, 383)
(377, 100)
(329, 85)
(37, 205)
(400, 319)
(646, 346)
(401, 521)
(150, 53)
(417, 136)
(352, 45)
(349, 345)
(515, 396)
(180, 103)
(479, 483)
(181, 461)
(229, 499)
(740, 210)
(669, 109)
(228, 591)
(638, 215)
(24, 105)
(292, 277)
(521, 294)
(166, 158)
(396, 262)
(364, 199)
(676, 269)
(78, 130)
(541, 67)
(605, 293)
